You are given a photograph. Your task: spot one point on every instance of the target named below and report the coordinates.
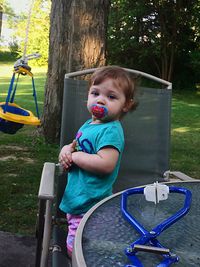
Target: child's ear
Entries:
(128, 105)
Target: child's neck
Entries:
(98, 121)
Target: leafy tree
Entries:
(153, 36)
(193, 64)
(37, 28)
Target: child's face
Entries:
(108, 96)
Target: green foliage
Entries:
(7, 56)
(6, 8)
(38, 31)
(14, 48)
(126, 31)
(158, 37)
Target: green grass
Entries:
(22, 155)
(185, 142)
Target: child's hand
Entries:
(65, 156)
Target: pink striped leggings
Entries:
(73, 222)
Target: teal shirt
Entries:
(84, 189)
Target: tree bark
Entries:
(77, 41)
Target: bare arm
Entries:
(65, 156)
(103, 162)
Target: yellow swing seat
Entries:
(17, 114)
(12, 116)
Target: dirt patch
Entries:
(12, 150)
(6, 158)
(27, 160)
(10, 158)
(15, 148)
(12, 175)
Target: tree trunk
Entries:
(77, 41)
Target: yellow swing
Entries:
(12, 116)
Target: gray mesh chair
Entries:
(145, 159)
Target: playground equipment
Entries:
(146, 160)
(12, 116)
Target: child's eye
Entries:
(112, 96)
(94, 93)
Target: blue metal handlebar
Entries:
(149, 237)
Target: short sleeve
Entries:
(112, 136)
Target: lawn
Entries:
(185, 133)
(22, 155)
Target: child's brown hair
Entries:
(121, 80)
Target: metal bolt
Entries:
(152, 232)
(129, 249)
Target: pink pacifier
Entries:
(99, 111)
